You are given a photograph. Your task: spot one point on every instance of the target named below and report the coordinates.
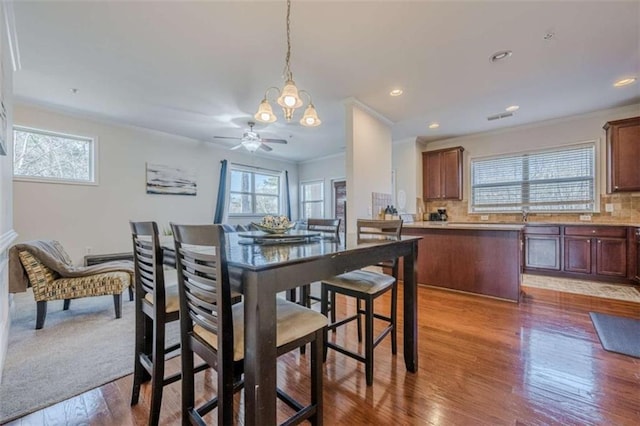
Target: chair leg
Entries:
(130, 293)
(305, 301)
(359, 319)
(117, 304)
(368, 344)
(41, 313)
(323, 310)
(188, 391)
(139, 373)
(394, 315)
(65, 304)
(333, 308)
(317, 347)
(157, 375)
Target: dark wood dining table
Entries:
(263, 269)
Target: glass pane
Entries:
(239, 203)
(314, 210)
(52, 156)
(266, 184)
(266, 204)
(240, 181)
(312, 191)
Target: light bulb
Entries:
(310, 120)
(265, 116)
(290, 101)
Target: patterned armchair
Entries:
(50, 272)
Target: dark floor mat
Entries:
(618, 334)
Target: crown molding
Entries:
(366, 108)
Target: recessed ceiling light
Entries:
(512, 108)
(498, 56)
(624, 82)
(73, 90)
(396, 92)
(434, 125)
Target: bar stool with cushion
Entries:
(213, 328)
(157, 304)
(367, 286)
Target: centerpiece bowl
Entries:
(275, 225)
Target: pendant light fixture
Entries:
(289, 97)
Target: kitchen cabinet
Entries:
(442, 174)
(542, 248)
(636, 247)
(623, 155)
(596, 250)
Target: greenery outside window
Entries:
(53, 157)
(312, 196)
(253, 193)
(553, 181)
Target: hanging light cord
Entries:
(287, 69)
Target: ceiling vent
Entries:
(500, 116)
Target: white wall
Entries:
(82, 216)
(407, 165)
(7, 234)
(326, 169)
(368, 161)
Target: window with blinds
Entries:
(553, 181)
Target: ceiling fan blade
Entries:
(237, 146)
(227, 137)
(274, 140)
(265, 147)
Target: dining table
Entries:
(260, 268)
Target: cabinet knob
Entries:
(589, 241)
(616, 187)
(599, 241)
(593, 232)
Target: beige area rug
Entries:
(609, 291)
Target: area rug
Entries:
(76, 350)
(589, 288)
(618, 334)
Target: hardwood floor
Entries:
(482, 361)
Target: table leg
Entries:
(260, 354)
(410, 304)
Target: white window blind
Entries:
(560, 180)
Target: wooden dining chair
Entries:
(213, 328)
(157, 304)
(366, 286)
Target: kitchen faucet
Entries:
(525, 215)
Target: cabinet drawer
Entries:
(596, 231)
(542, 230)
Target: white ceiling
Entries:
(200, 68)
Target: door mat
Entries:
(618, 334)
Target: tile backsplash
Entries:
(626, 209)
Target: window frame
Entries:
(253, 194)
(593, 144)
(93, 166)
(303, 202)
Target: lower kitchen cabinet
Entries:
(542, 247)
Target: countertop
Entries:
(503, 226)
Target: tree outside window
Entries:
(312, 199)
(253, 193)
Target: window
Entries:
(312, 199)
(253, 193)
(48, 156)
(561, 180)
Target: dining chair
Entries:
(156, 305)
(213, 328)
(366, 286)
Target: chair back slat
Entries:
(386, 229)
(203, 280)
(326, 226)
(147, 259)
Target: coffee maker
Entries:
(442, 213)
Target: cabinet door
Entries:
(623, 148)
(431, 174)
(451, 173)
(542, 252)
(611, 257)
(577, 254)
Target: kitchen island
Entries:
(480, 258)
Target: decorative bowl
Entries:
(274, 230)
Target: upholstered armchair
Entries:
(46, 267)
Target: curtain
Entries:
(222, 187)
(287, 199)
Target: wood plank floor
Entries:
(481, 362)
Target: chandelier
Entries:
(289, 97)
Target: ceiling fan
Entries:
(251, 140)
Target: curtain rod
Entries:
(257, 168)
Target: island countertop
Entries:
(466, 225)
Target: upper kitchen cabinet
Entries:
(623, 155)
(442, 174)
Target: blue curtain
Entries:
(287, 199)
(222, 186)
